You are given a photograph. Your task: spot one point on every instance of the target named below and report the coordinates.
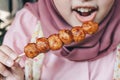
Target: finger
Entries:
(1, 77)
(5, 59)
(8, 51)
(3, 71)
(17, 69)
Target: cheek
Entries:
(104, 8)
(63, 7)
(106, 4)
(61, 4)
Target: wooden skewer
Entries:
(56, 41)
(19, 57)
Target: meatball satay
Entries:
(66, 36)
(78, 34)
(31, 50)
(42, 44)
(55, 42)
(90, 27)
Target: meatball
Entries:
(90, 27)
(66, 36)
(55, 42)
(31, 50)
(42, 44)
(78, 34)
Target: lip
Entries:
(84, 6)
(85, 18)
(82, 18)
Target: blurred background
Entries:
(8, 9)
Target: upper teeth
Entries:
(84, 9)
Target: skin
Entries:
(10, 69)
(65, 7)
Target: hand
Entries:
(9, 69)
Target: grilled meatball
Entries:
(42, 44)
(31, 50)
(78, 33)
(54, 42)
(90, 27)
(66, 36)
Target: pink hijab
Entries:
(93, 47)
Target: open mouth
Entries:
(85, 13)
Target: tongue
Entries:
(85, 13)
(83, 17)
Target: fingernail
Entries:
(9, 63)
(13, 56)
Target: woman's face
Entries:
(75, 12)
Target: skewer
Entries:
(19, 57)
(56, 41)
